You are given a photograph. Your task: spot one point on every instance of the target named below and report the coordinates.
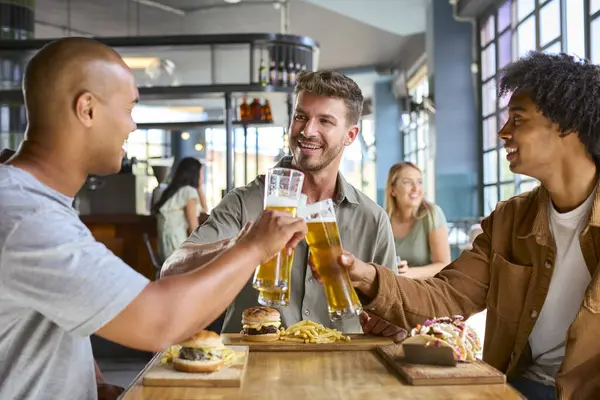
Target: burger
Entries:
(261, 324)
(201, 353)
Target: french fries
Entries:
(169, 354)
(311, 332)
(229, 355)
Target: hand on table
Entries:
(374, 325)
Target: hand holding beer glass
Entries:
(283, 189)
(325, 246)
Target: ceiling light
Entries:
(232, 1)
(140, 62)
(198, 147)
(185, 135)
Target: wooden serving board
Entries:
(471, 373)
(358, 342)
(228, 376)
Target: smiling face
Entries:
(532, 142)
(319, 132)
(407, 188)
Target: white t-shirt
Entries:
(58, 286)
(570, 279)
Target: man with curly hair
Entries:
(534, 266)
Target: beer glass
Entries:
(283, 188)
(268, 297)
(325, 246)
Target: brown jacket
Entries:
(508, 271)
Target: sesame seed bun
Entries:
(255, 315)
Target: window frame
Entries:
(418, 132)
(499, 108)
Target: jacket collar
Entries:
(536, 220)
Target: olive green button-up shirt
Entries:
(364, 228)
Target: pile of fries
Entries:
(311, 332)
(169, 354)
(173, 351)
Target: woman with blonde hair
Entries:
(420, 227)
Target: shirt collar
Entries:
(343, 190)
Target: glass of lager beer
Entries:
(325, 246)
(283, 188)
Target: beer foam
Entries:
(320, 220)
(314, 212)
(276, 201)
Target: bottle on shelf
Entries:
(244, 110)
(267, 111)
(291, 74)
(255, 110)
(273, 73)
(282, 74)
(263, 77)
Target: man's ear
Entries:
(84, 108)
(351, 135)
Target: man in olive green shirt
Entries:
(327, 109)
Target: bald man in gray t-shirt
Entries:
(47, 311)
(57, 284)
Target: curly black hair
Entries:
(565, 89)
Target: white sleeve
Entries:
(51, 263)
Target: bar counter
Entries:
(344, 375)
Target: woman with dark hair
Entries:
(420, 228)
(177, 210)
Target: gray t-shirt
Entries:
(58, 286)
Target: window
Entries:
(521, 26)
(490, 133)
(595, 31)
(549, 27)
(575, 34)
(415, 131)
(261, 149)
(488, 31)
(264, 146)
(358, 164)
(151, 143)
(488, 61)
(524, 8)
(526, 37)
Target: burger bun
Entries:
(197, 366)
(268, 337)
(203, 339)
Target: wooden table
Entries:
(360, 375)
